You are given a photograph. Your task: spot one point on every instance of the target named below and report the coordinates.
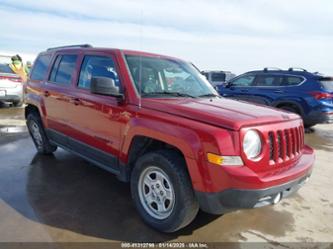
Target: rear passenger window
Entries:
(41, 65)
(269, 80)
(63, 69)
(97, 66)
(292, 80)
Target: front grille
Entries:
(285, 144)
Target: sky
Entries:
(235, 35)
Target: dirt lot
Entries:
(63, 198)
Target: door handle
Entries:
(279, 91)
(76, 101)
(46, 93)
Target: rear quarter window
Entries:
(292, 80)
(41, 65)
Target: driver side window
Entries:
(97, 66)
(246, 80)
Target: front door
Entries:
(98, 119)
(239, 88)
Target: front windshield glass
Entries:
(165, 77)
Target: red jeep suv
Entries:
(156, 122)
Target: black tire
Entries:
(42, 143)
(295, 110)
(185, 207)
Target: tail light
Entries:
(321, 95)
(10, 78)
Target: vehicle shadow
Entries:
(68, 193)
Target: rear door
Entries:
(57, 94)
(267, 88)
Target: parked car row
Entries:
(155, 122)
(296, 90)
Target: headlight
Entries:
(252, 144)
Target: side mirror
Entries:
(105, 86)
(228, 85)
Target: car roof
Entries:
(286, 72)
(89, 48)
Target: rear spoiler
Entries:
(325, 78)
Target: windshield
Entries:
(166, 77)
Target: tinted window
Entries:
(218, 77)
(246, 80)
(269, 80)
(4, 68)
(292, 80)
(97, 66)
(41, 65)
(63, 69)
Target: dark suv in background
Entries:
(296, 90)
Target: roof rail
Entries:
(296, 69)
(71, 46)
(272, 68)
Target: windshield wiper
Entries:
(209, 95)
(177, 94)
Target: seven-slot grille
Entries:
(285, 144)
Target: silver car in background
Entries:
(217, 78)
(11, 86)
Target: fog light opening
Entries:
(277, 198)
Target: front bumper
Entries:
(240, 187)
(232, 199)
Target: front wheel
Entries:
(162, 191)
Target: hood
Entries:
(222, 112)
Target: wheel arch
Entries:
(293, 104)
(142, 140)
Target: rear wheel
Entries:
(38, 135)
(307, 126)
(162, 191)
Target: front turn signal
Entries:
(224, 160)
